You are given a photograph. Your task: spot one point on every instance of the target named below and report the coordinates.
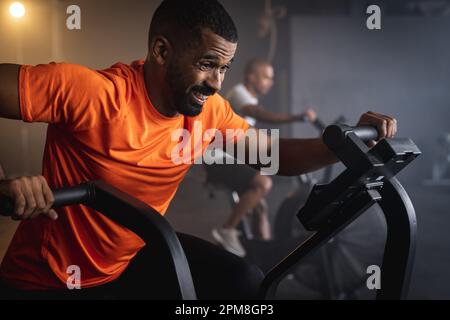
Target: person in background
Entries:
(251, 186)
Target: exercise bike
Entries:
(321, 276)
(369, 179)
(336, 271)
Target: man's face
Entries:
(263, 79)
(197, 72)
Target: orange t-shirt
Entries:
(102, 125)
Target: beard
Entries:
(183, 98)
(186, 107)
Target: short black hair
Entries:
(174, 16)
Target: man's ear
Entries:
(160, 49)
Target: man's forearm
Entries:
(9, 91)
(261, 114)
(299, 156)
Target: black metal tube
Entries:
(76, 195)
(400, 245)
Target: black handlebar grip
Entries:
(335, 135)
(73, 195)
(6, 206)
(366, 133)
(63, 197)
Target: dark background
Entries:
(324, 57)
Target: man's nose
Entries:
(214, 80)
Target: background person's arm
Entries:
(9, 91)
(262, 114)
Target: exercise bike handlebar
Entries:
(81, 194)
(136, 216)
(335, 135)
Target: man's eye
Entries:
(224, 69)
(206, 66)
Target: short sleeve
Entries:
(239, 97)
(71, 95)
(232, 121)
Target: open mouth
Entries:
(199, 97)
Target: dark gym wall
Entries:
(117, 31)
(24, 41)
(402, 70)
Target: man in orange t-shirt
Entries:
(116, 125)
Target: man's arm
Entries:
(9, 91)
(67, 94)
(31, 195)
(297, 156)
(261, 114)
